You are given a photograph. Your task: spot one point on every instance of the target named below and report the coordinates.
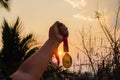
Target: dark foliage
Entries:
(5, 4)
(15, 48)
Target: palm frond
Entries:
(15, 47)
(5, 4)
(17, 25)
(30, 53)
(26, 40)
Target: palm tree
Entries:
(15, 48)
(5, 4)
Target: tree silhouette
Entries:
(5, 4)
(15, 48)
(114, 41)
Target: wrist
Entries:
(54, 41)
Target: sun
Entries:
(60, 53)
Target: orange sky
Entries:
(38, 15)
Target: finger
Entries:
(53, 29)
(63, 30)
(56, 24)
(59, 28)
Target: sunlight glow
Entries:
(60, 53)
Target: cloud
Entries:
(77, 3)
(78, 16)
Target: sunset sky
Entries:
(38, 15)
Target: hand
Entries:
(58, 31)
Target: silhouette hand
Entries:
(58, 31)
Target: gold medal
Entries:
(67, 60)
